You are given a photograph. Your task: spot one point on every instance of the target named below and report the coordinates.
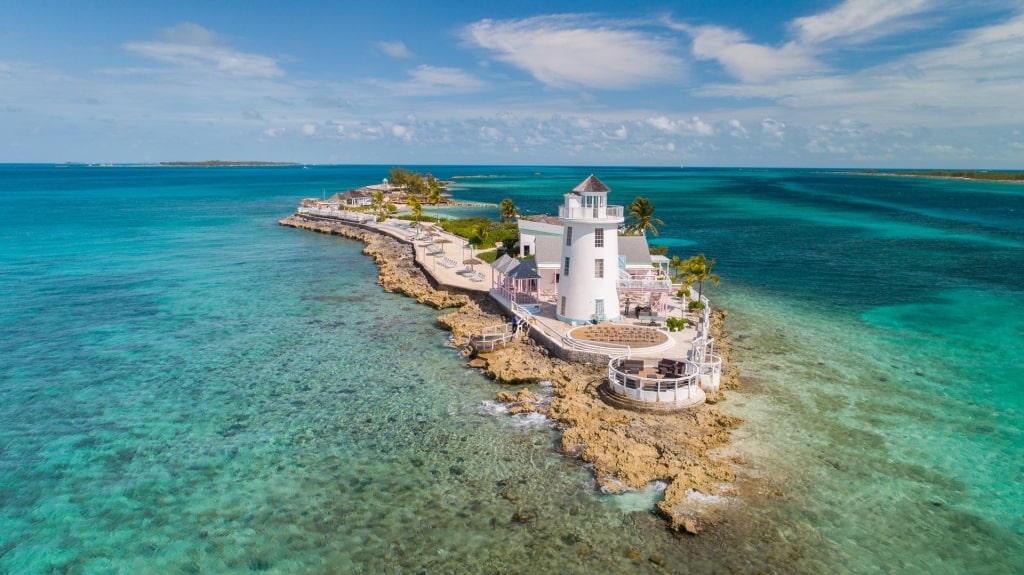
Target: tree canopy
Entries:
(695, 269)
(507, 210)
(641, 212)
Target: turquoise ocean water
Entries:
(186, 387)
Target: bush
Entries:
(696, 305)
(488, 257)
(675, 323)
(496, 231)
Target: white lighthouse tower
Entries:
(590, 255)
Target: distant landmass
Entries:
(961, 174)
(224, 163)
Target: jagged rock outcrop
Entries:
(525, 401)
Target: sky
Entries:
(795, 83)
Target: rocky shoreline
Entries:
(627, 450)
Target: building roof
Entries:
(541, 219)
(349, 195)
(548, 250)
(538, 228)
(504, 263)
(635, 249)
(591, 184)
(525, 270)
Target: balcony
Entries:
(582, 213)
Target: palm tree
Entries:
(480, 231)
(434, 196)
(507, 210)
(378, 205)
(417, 208)
(695, 269)
(642, 212)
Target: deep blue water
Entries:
(187, 387)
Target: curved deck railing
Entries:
(641, 382)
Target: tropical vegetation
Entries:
(964, 174)
(480, 229)
(507, 210)
(641, 213)
(417, 208)
(696, 269)
(378, 203)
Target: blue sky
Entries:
(806, 83)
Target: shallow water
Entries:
(189, 388)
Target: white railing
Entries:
(631, 283)
(337, 215)
(589, 213)
(609, 349)
(649, 388)
(535, 322)
(493, 337)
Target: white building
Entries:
(587, 287)
(639, 279)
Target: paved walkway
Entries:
(457, 248)
(453, 247)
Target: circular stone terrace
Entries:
(617, 339)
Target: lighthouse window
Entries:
(568, 235)
(598, 268)
(599, 237)
(565, 269)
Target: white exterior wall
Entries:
(580, 288)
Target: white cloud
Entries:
(191, 46)
(692, 126)
(402, 132)
(431, 80)
(774, 128)
(857, 20)
(396, 49)
(736, 129)
(975, 81)
(309, 129)
(570, 52)
(748, 61)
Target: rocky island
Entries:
(627, 449)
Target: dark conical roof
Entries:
(526, 270)
(591, 184)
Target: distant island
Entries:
(958, 174)
(225, 163)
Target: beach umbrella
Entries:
(472, 261)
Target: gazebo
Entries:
(516, 280)
(524, 279)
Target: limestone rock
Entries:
(627, 450)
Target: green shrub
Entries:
(696, 305)
(488, 257)
(675, 323)
(496, 231)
